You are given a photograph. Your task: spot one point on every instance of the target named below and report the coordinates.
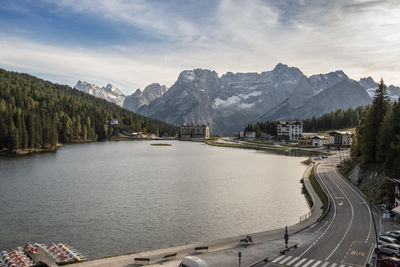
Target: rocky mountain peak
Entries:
(139, 98)
(368, 83)
(109, 92)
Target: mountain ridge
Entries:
(230, 101)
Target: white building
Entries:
(114, 121)
(319, 140)
(250, 135)
(338, 138)
(291, 130)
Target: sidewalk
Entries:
(265, 243)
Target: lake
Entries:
(110, 198)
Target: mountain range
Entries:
(229, 102)
(109, 92)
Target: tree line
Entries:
(35, 113)
(376, 143)
(338, 119)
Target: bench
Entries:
(199, 249)
(170, 256)
(142, 260)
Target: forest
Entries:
(339, 119)
(38, 114)
(376, 144)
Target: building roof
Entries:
(194, 125)
(319, 137)
(341, 132)
(290, 122)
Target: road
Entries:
(346, 236)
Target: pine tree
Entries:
(368, 130)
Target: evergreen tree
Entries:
(35, 113)
(368, 130)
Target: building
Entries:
(340, 139)
(114, 121)
(250, 135)
(195, 131)
(291, 130)
(305, 141)
(319, 140)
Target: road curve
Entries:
(346, 236)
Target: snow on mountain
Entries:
(229, 102)
(370, 85)
(109, 92)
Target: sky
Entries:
(132, 43)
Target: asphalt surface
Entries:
(346, 236)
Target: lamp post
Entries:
(286, 237)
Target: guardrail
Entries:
(307, 215)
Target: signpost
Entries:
(240, 257)
(286, 237)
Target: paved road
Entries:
(345, 237)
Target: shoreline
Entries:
(254, 146)
(32, 151)
(211, 142)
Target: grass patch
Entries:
(317, 188)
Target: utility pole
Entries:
(240, 257)
(286, 237)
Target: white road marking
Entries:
(300, 262)
(279, 258)
(325, 264)
(333, 264)
(316, 264)
(351, 220)
(308, 263)
(363, 199)
(292, 261)
(285, 260)
(334, 214)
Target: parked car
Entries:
(390, 249)
(397, 232)
(191, 261)
(393, 234)
(389, 262)
(386, 240)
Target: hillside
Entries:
(36, 114)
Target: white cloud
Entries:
(359, 37)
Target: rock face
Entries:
(342, 95)
(370, 85)
(109, 92)
(230, 102)
(138, 99)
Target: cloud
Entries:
(359, 37)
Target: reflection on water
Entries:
(116, 197)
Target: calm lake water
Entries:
(111, 198)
